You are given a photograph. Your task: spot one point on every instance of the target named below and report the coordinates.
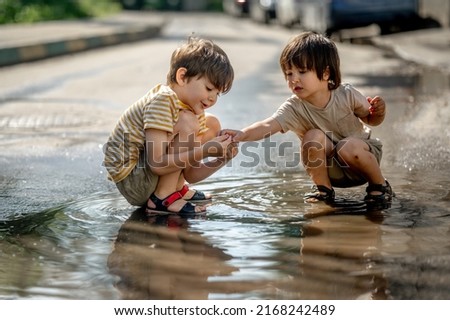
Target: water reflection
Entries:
(157, 258)
(335, 259)
(259, 240)
(325, 253)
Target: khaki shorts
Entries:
(138, 186)
(342, 177)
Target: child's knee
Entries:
(351, 150)
(315, 140)
(314, 135)
(187, 123)
(213, 123)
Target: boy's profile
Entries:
(160, 141)
(330, 120)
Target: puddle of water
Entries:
(258, 241)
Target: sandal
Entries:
(320, 193)
(163, 205)
(198, 195)
(384, 197)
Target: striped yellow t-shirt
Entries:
(158, 109)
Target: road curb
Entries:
(28, 53)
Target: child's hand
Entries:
(219, 146)
(236, 135)
(232, 151)
(377, 106)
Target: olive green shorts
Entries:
(138, 186)
(342, 177)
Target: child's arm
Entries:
(202, 171)
(163, 162)
(255, 131)
(377, 111)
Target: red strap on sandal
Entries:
(172, 198)
(197, 196)
(183, 190)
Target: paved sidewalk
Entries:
(429, 47)
(27, 42)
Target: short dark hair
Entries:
(313, 51)
(202, 57)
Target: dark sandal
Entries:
(198, 195)
(162, 205)
(317, 195)
(385, 195)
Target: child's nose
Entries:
(294, 78)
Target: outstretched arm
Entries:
(255, 131)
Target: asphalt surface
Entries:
(24, 43)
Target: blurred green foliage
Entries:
(175, 5)
(27, 11)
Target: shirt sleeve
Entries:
(159, 113)
(286, 117)
(202, 122)
(359, 102)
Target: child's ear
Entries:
(326, 74)
(180, 76)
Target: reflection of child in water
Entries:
(136, 259)
(329, 118)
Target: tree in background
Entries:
(23, 11)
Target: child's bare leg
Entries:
(316, 146)
(214, 127)
(185, 128)
(356, 154)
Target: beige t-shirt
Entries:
(338, 120)
(158, 109)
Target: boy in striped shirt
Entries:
(160, 141)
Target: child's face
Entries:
(304, 83)
(198, 93)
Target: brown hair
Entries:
(312, 51)
(202, 57)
